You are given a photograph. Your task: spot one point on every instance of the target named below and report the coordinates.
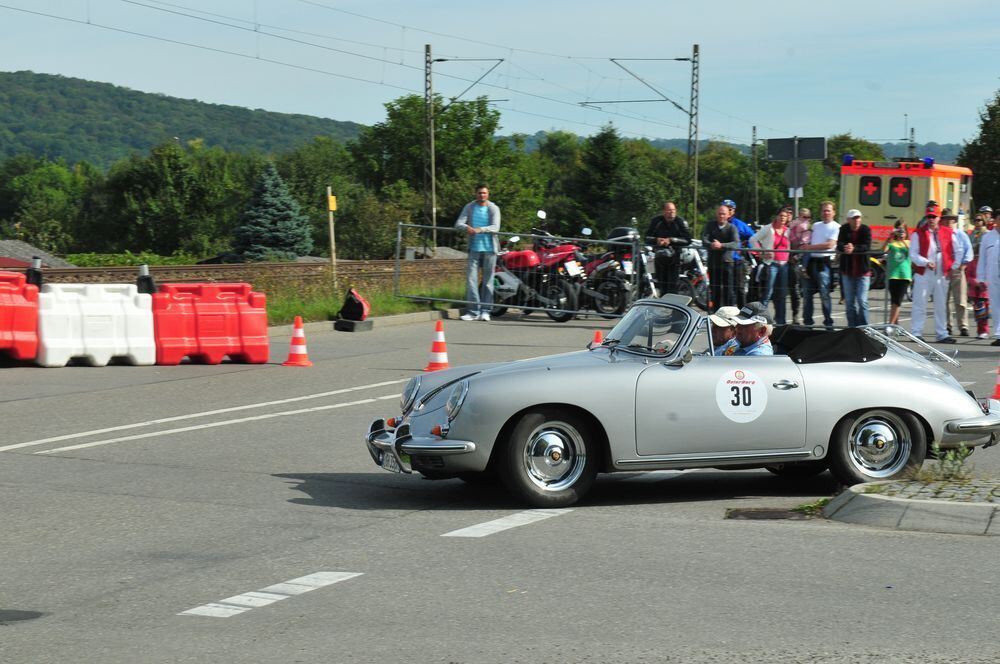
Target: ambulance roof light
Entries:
(928, 162)
(847, 159)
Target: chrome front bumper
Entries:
(987, 424)
(392, 449)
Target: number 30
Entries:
(741, 396)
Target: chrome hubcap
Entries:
(554, 456)
(880, 444)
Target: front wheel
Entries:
(550, 458)
(563, 294)
(877, 444)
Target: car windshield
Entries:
(649, 329)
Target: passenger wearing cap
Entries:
(723, 327)
(932, 251)
(854, 241)
(753, 330)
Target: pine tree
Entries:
(982, 155)
(273, 227)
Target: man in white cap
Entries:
(988, 271)
(753, 330)
(723, 326)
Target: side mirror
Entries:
(681, 360)
(541, 214)
(587, 232)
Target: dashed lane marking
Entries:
(206, 413)
(513, 521)
(211, 425)
(231, 606)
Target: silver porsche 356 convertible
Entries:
(653, 396)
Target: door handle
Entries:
(786, 384)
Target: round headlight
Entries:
(409, 394)
(456, 399)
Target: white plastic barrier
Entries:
(95, 322)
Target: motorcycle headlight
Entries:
(456, 399)
(409, 394)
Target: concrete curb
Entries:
(377, 322)
(933, 516)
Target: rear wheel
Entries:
(562, 293)
(550, 458)
(498, 311)
(876, 444)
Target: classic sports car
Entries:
(653, 396)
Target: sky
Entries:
(872, 68)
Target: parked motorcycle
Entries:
(694, 280)
(520, 280)
(599, 283)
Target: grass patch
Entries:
(950, 466)
(814, 508)
(319, 304)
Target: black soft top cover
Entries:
(806, 345)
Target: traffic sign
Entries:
(784, 149)
(796, 168)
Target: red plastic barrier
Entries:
(18, 316)
(207, 322)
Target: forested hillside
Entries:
(76, 120)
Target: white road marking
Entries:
(212, 425)
(507, 522)
(206, 413)
(654, 476)
(237, 604)
(965, 383)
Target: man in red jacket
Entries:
(932, 252)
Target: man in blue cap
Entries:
(741, 260)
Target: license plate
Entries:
(627, 266)
(389, 463)
(573, 268)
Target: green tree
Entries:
(597, 187)
(42, 201)
(982, 154)
(308, 170)
(272, 228)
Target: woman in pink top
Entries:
(775, 239)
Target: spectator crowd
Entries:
(789, 263)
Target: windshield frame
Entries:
(683, 340)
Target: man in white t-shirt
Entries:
(824, 239)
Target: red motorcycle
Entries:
(521, 280)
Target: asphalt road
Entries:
(139, 498)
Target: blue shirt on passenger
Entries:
(731, 347)
(480, 218)
(759, 347)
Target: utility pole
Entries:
(430, 171)
(911, 149)
(756, 190)
(693, 135)
(331, 205)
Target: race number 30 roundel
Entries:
(741, 395)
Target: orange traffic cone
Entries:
(298, 356)
(439, 350)
(598, 338)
